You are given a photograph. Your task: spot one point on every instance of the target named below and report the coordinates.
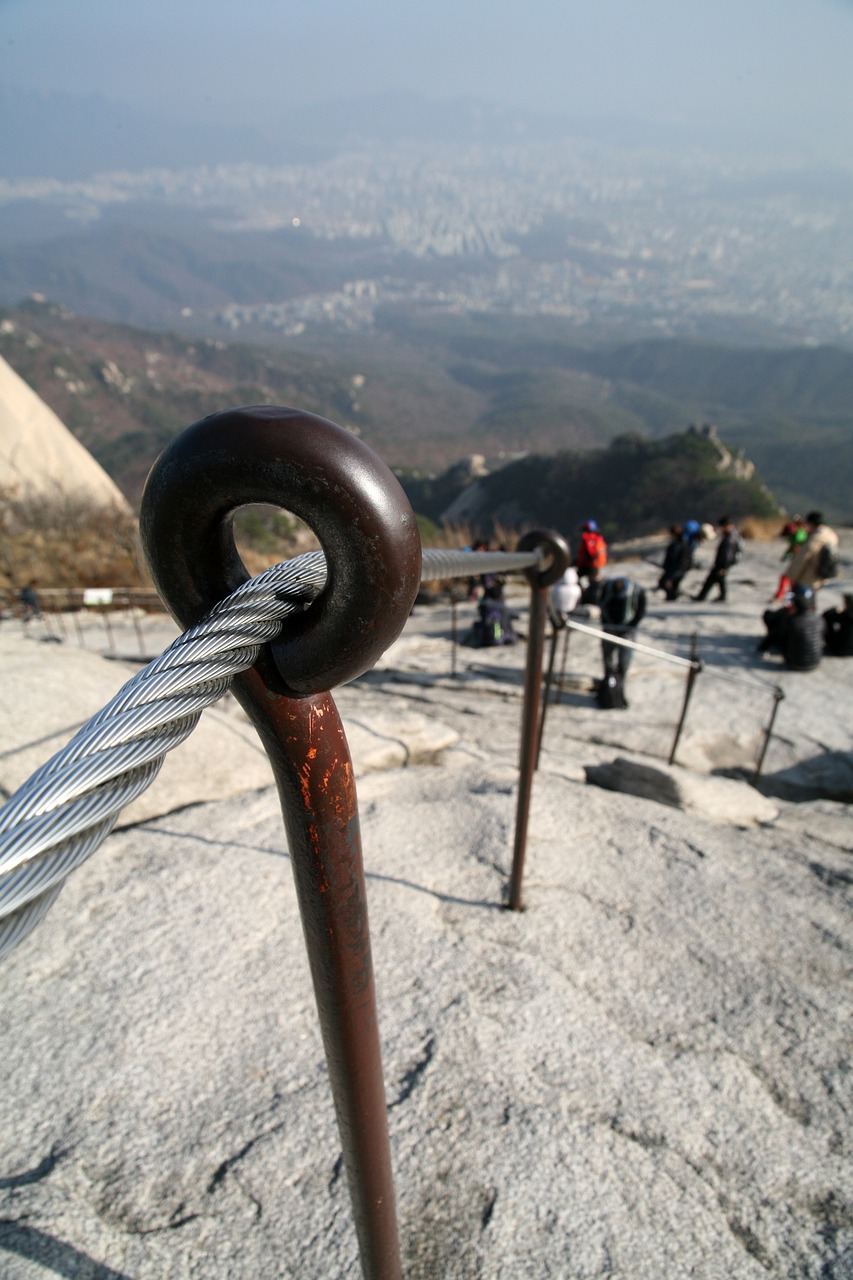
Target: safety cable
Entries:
(753, 682)
(60, 815)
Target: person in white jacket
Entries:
(806, 566)
(566, 594)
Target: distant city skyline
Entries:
(772, 73)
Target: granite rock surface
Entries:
(646, 1073)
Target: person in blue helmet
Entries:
(678, 558)
(591, 559)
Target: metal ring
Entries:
(553, 546)
(332, 481)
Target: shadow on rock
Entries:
(828, 776)
(54, 1255)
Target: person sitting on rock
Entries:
(838, 629)
(795, 631)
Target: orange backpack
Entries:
(593, 551)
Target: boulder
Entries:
(721, 799)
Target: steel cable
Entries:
(753, 682)
(60, 815)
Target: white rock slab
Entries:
(719, 799)
(643, 1074)
(49, 691)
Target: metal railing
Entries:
(694, 667)
(281, 642)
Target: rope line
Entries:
(64, 811)
(753, 682)
(60, 815)
(70, 804)
(601, 634)
(441, 563)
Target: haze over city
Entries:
(771, 73)
(465, 210)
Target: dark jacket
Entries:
(621, 611)
(838, 632)
(678, 558)
(802, 640)
(727, 550)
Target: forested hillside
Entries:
(631, 488)
(426, 392)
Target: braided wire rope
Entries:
(64, 810)
(734, 677)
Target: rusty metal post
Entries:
(688, 689)
(453, 633)
(778, 695)
(556, 559)
(105, 613)
(561, 682)
(135, 621)
(74, 614)
(549, 677)
(60, 621)
(366, 527)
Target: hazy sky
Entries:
(763, 67)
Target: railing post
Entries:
(555, 558)
(561, 681)
(368, 532)
(75, 615)
(454, 641)
(57, 613)
(135, 622)
(105, 613)
(688, 689)
(546, 694)
(778, 695)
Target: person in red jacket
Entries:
(592, 558)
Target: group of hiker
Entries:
(619, 602)
(795, 629)
(684, 541)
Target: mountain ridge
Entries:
(423, 405)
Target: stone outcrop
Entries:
(39, 457)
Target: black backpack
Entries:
(827, 562)
(494, 625)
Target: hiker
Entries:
(623, 606)
(838, 629)
(795, 631)
(796, 532)
(474, 583)
(816, 560)
(29, 602)
(678, 558)
(565, 594)
(727, 554)
(493, 624)
(591, 559)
